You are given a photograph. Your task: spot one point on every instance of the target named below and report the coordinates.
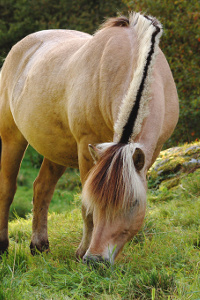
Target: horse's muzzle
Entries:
(96, 260)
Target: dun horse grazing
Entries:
(62, 90)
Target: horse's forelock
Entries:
(113, 184)
(115, 22)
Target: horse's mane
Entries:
(134, 107)
(113, 183)
(115, 22)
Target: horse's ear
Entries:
(138, 159)
(94, 151)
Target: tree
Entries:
(22, 17)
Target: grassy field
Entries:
(161, 262)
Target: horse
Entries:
(103, 103)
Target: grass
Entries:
(161, 262)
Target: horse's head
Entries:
(115, 194)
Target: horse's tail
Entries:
(134, 107)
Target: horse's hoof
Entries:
(80, 253)
(4, 247)
(42, 248)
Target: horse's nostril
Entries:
(85, 260)
(95, 260)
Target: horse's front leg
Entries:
(85, 164)
(87, 233)
(44, 187)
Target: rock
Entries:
(172, 164)
(170, 183)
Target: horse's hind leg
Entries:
(13, 147)
(44, 187)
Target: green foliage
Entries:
(180, 44)
(22, 17)
(34, 157)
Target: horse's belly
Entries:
(61, 152)
(56, 149)
(48, 134)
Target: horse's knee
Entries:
(37, 186)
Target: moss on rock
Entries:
(170, 183)
(172, 164)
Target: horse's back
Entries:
(41, 48)
(33, 91)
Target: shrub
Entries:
(22, 17)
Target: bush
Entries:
(22, 17)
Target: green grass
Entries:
(161, 262)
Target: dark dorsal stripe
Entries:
(129, 126)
